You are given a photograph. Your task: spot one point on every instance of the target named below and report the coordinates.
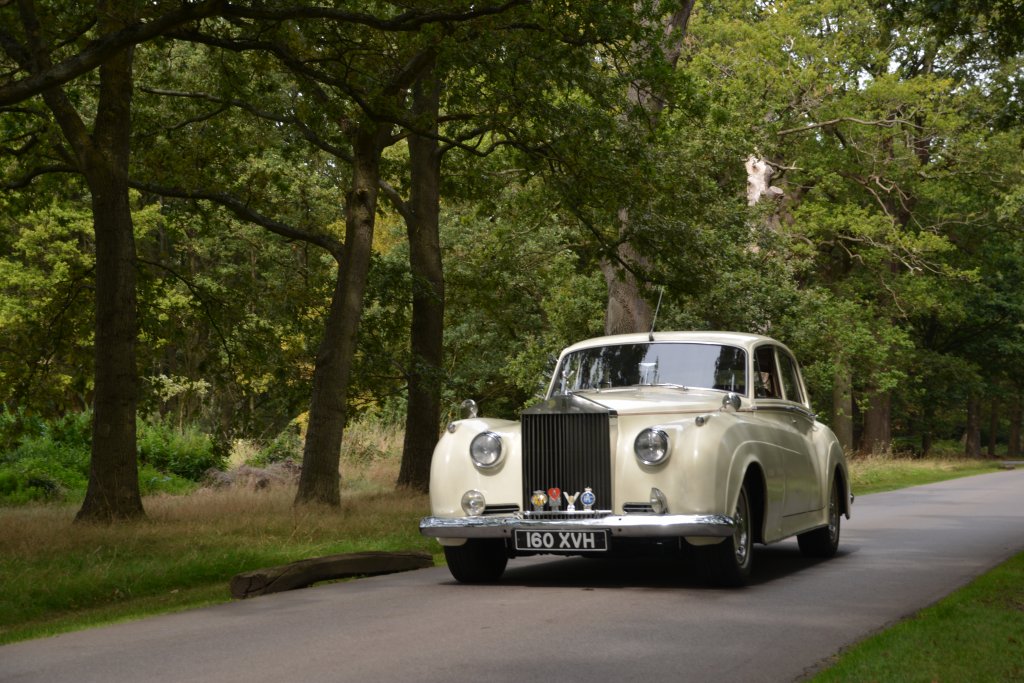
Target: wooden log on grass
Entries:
(307, 572)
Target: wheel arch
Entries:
(757, 493)
(842, 480)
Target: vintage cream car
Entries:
(702, 443)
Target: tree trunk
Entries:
(423, 411)
(1013, 446)
(972, 434)
(993, 428)
(113, 490)
(842, 408)
(927, 429)
(320, 479)
(877, 436)
(627, 309)
(102, 156)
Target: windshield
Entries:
(708, 366)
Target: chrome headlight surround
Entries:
(651, 446)
(485, 450)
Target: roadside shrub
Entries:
(186, 453)
(285, 446)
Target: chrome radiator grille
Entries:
(569, 451)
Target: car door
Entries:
(803, 486)
(787, 425)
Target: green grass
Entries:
(975, 634)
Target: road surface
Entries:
(573, 619)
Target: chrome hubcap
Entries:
(833, 512)
(741, 537)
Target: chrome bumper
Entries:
(631, 526)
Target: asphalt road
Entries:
(562, 620)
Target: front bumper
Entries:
(629, 526)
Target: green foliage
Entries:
(48, 460)
(516, 293)
(45, 312)
(184, 452)
(287, 445)
(894, 256)
(153, 481)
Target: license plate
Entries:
(562, 541)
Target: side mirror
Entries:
(731, 400)
(469, 409)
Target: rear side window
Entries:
(766, 374)
(790, 378)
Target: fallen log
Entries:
(307, 572)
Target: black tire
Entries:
(824, 542)
(478, 560)
(729, 563)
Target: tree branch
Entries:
(97, 52)
(247, 213)
(411, 20)
(885, 123)
(27, 179)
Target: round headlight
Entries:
(651, 446)
(485, 449)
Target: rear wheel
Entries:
(824, 542)
(728, 563)
(478, 560)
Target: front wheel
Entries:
(478, 560)
(728, 563)
(824, 542)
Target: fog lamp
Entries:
(659, 503)
(473, 503)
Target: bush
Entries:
(152, 480)
(187, 452)
(286, 446)
(50, 461)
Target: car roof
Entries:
(741, 339)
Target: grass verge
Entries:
(60, 576)
(888, 472)
(975, 634)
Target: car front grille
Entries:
(569, 451)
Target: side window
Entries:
(766, 375)
(790, 378)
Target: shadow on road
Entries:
(771, 563)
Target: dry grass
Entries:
(59, 575)
(888, 471)
(370, 457)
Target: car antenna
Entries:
(661, 293)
